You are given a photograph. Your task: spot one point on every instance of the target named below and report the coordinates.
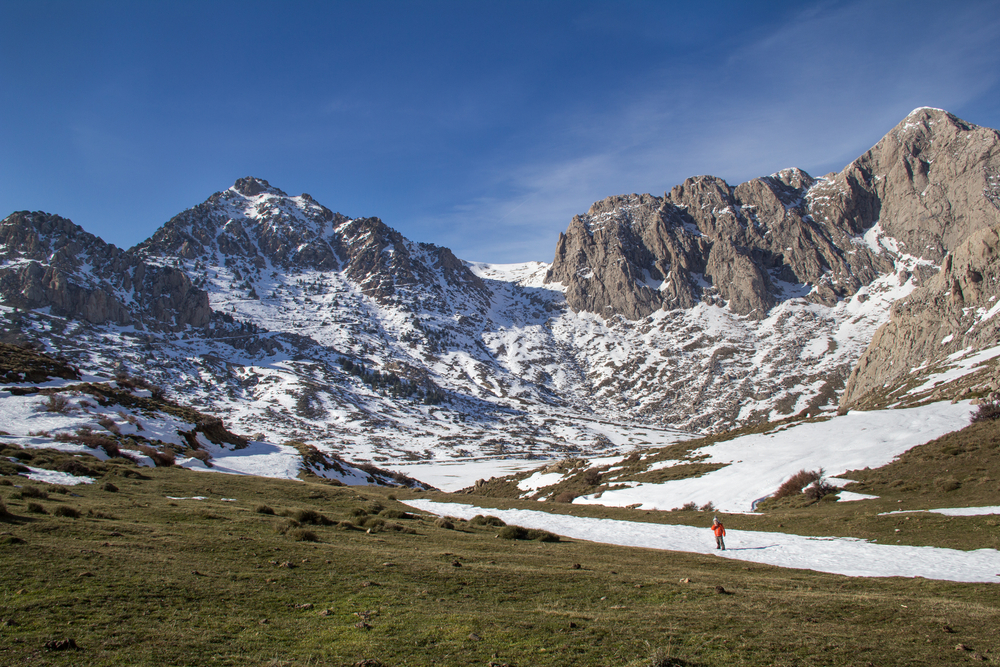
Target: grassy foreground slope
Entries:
(147, 575)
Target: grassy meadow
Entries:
(132, 570)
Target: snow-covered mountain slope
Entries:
(376, 362)
(124, 419)
(730, 306)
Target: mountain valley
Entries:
(710, 308)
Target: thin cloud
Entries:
(801, 95)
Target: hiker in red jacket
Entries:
(720, 532)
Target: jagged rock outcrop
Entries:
(928, 184)
(253, 226)
(955, 311)
(52, 263)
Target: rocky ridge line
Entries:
(929, 183)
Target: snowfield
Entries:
(834, 555)
(26, 421)
(757, 464)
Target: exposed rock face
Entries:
(50, 262)
(929, 183)
(253, 226)
(954, 311)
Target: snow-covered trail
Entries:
(836, 555)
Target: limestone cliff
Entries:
(928, 184)
(955, 311)
(49, 262)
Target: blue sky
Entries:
(481, 126)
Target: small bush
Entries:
(708, 507)
(794, 484)
(480, 520)
(6, 482)
(542, 535)
(987, 411)
(34, 492)
(689, 507)
(285, 526)
(592, 478)
(372, 522)
(163, 459)
(36, 508)
(55, 403)
(75, 467)
(346, 525)
(109, 487)
(3, 508)
(359, 511)
(66, 511)
(398, 528)
(564, 497)
(819, 489)
(199, 454)
(302, 535)
(374, 507)
(442, 522)
(109, 424)
(395, 514)
(947, 484)
(520, 533)
(311, 517)
(88, 439)
(263, 509)
(513, 533)
(23, 455)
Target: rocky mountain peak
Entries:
(252, 186)
(929, 183)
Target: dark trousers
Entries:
(719, 544)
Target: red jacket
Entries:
(718, 529)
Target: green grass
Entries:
(141, 579)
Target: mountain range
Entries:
(708, 308)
